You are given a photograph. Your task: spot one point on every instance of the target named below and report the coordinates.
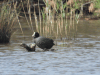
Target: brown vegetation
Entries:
(7, 21)
(54, 9)
(70, 2)
(91, 7)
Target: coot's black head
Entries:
(35, 35)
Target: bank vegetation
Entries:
(46, 12)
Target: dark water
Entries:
(79, 55)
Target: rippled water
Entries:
(79, 56)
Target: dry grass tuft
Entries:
(7, 21)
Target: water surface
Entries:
(76, 56)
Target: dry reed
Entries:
(55, 18)
(7, 21)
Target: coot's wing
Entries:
(43, 42)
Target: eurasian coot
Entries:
(42, 42)
(29, 48)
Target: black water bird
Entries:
(42, 42)
(30, 48)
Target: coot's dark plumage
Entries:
(42, 42)
(29, 48)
